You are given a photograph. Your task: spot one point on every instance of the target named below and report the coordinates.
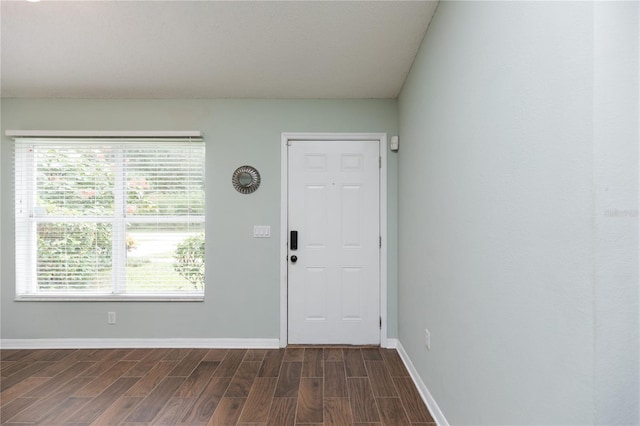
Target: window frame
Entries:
(27, 219)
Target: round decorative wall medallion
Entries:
(245, 179)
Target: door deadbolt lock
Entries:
(294, 258)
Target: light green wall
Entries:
(242, 284)
(616, 145)
(506, 251)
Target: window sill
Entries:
(109, 298)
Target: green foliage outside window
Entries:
(189, 260)
(72, 183)
(71, 254)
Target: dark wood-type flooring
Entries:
(292, 386)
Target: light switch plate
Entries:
(261, 231)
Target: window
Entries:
(109, 218)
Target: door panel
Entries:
(334, 286)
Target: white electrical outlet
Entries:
(111, 317)
(427, 339)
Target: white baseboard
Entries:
(138, 343)
(435, 411)
(391, 343)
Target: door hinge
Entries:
(380, 323)
(380, 242)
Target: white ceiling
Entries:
(209, 49)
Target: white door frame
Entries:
(284, 188)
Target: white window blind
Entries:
(109, 217)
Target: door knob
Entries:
(294, 258)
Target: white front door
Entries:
(334, 274)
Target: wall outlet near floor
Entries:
(111, 318)
(427, 339)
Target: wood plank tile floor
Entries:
(293, 386)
